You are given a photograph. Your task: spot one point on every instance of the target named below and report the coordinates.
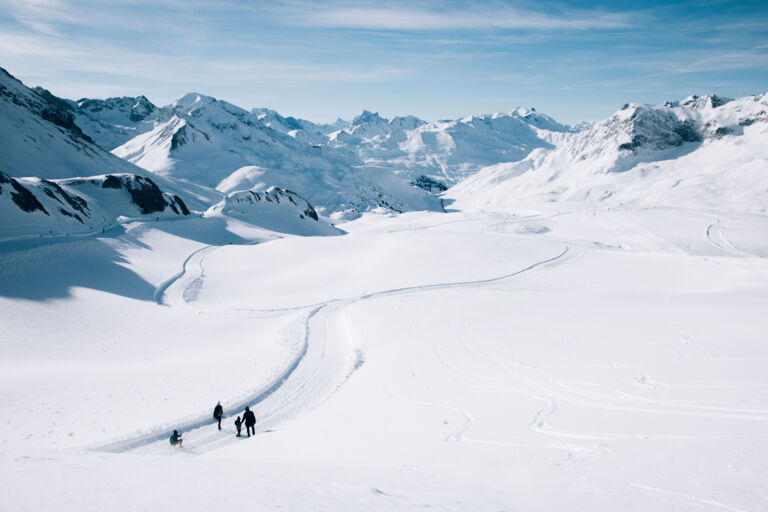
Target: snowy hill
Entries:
(35, 206)
(215, 143)
(274, 209)
(703, 151)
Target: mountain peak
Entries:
(366, 117)
(191, 98)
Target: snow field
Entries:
(559, 359)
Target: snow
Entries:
(216, 144)
(718, 163)
(582, 328)
(462, 361)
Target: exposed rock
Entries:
(429, 184)
(25, 199)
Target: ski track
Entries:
(533, 382)
(689, 498)
(163, 287)
(317, 370)
(716, 238)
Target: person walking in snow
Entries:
(250, 421)
(176, 438)
(218, 413)
(238, 425)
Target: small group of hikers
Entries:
(249, 419)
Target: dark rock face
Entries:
(73, 215)
(179, 138)
(141, 109)
(311, 213)
(59, 112)
(718, 101)
(687, 132)
(146, 195)
(112, 182)
(76, 202)
(25, 199)
(656, 130)
(429, 184)
(176, 202)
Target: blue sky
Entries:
(321, 60)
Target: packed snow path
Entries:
(321, 365)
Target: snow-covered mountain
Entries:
(114, 121)
(217, 144)
(702, 148)
(448, 151)
(57, 180)
(34, 206)
(39, 136)
(704, 151)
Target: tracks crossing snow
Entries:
(320, 366)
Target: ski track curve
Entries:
(315, 372)
(163, 287)
(717, 238)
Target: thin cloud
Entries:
(727, 61)
(475, 19)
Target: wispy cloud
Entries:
(476, 17)
(757, 58)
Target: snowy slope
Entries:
(33, 206)
(705, 152)
(212, 142)
(39, 137)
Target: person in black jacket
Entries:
(238, 425)
(250, 421)
(218, 413)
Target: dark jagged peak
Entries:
(135, 108)
(368, 117)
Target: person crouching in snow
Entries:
(238, 425)
(176, 438)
